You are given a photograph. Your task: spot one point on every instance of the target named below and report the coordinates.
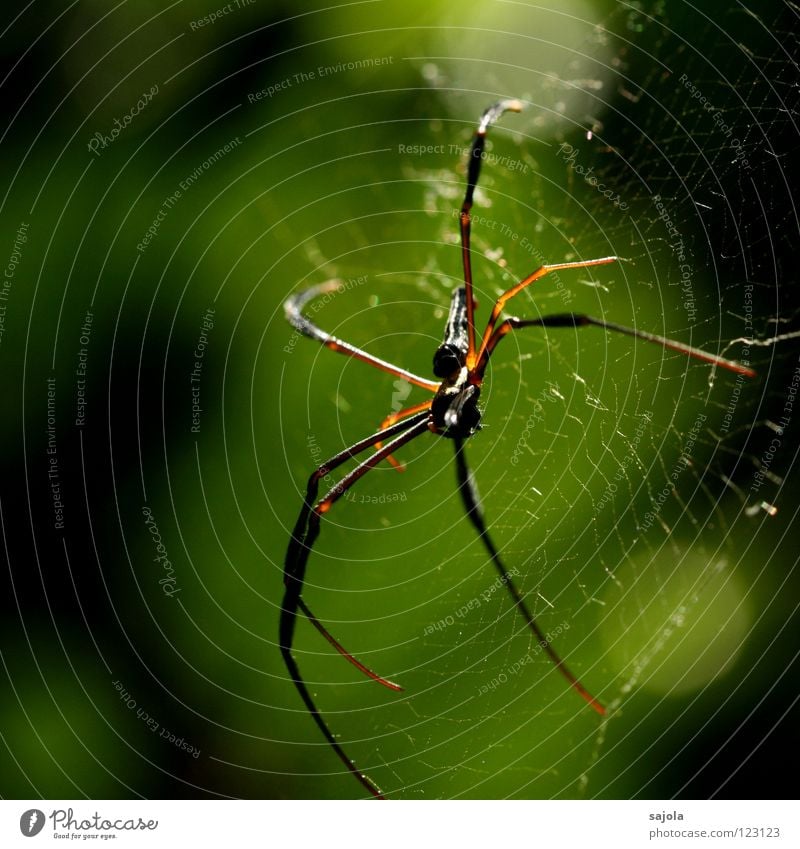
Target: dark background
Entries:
(684, 624)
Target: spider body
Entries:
(452, 412)
(454, 409)
(451, 355)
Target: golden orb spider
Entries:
(459, 365)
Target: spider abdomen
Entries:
(451, 355)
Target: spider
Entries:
(452, 412)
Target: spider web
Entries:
(623, 484)
(642, 501)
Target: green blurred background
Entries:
(275, 151)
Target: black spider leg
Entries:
(298, 540)
(343, 651)
(471, 499)
(489, 116)
(576, 320)
(312, 488)
(297, 558)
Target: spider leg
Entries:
(297, 558)
(288, 621)
(300, 529)
(394, 417)
(489, 116)
(471, 499)
(576, 320)
(293, 307)
(322, 471)
(477, 359)
(343, 651)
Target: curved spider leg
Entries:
(394, 417)
(471, 499)
(480, 356)
(489, 116)
(294, 575)
(299, 532)
(322, 471)
(293, 307)
(343, 651)
(576, 320)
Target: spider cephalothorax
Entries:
(454, 411)
(451, 355)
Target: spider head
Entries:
(455, 409)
